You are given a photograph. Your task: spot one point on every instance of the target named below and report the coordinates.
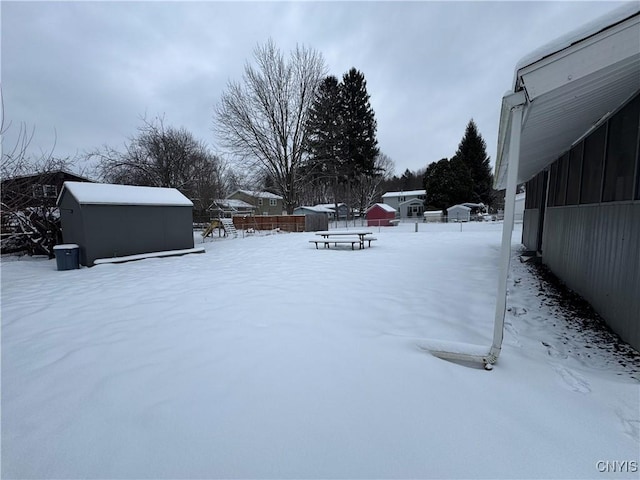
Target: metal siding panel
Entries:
(595, 250)
(178, 228)
(117, 230)
(530, 229)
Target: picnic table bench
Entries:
(358, 237)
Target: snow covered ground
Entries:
(267, 358)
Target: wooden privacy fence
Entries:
(286, 223)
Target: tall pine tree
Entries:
(447, 182)
(341, 134)
(359, 146)
(324, 131)
(472, 152)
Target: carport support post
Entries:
(507, 230)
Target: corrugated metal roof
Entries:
(569, 91)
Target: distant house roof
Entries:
(405, 193)
(258, 194)
(110, 194)
(384, 206)
(232, 204)
(49, 174)
(330, 206)
(316, 208)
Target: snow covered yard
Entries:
(267, 358)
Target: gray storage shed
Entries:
(109, 221)
(458, 213)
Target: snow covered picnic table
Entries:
(360, 234)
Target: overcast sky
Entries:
(83, 74)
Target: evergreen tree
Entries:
(341, 135)
(324, 132)
(472, 151)
(447, 182)
(359, 146)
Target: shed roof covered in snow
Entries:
(316, 208)
(110, 194)
(330, 206)
(459, 207)
(383, 206)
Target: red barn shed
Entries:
(380, 215)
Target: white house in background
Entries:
(266, 203)
(409, 204)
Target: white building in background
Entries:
(409, 204)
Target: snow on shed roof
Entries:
(110, 194)
(407, 192)
(463, 207)
(330, 206)
(316, 208)
(384, 206)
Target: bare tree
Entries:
(164, 156)
(262, 119)
(30, 219)
(367, 188)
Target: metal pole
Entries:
(507, 230)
